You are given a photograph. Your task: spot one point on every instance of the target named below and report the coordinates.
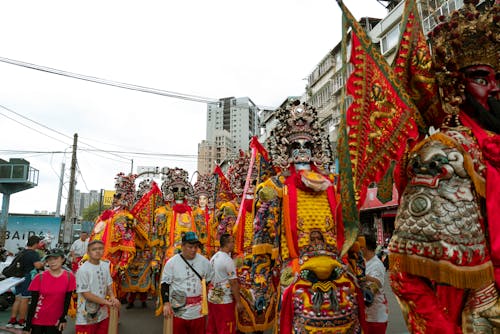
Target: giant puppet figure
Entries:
(298, 237)
(203, 212)
(140, 276)
(176, 217)
(115, 227)
(226, 207)
(445, 251)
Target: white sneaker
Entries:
(11, 324)
(18, 326)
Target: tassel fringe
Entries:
(443, 272)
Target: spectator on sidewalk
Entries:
(78, 250)
(181, 287)
(95, 292)
(30, 259)
(51, 292)
(377, 313)
(224, 293)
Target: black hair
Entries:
(33, 240)
(371, 242)
(224, 239)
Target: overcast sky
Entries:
(262, 49)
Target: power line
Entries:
(143, 89)
(58, 132)
(27, 126)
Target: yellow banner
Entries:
(108, 197)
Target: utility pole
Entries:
(59, 194)
(70, 206)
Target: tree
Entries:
(91, 212)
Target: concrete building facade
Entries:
(231, 122)
(84, 200)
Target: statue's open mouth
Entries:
(430, 181)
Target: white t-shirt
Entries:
(79, 247)
(182, 279)
(224, 270)
(378, 311)
(94, 278)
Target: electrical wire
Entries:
(58, 132)
(81, 175)
(143, 89)
(27, 126)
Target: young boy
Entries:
(94, 288)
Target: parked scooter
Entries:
(6, 298)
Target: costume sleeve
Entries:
(265, 243)
(31, 311)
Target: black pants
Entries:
(37, 329)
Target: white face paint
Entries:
(301, 151)
(203, 201)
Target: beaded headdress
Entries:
(298, 121)
(204, 185)
(143, 188)
(125, 188)
(467, 38)
(237, 173)
(176, 178)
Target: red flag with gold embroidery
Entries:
(381, 118)
(222, 186)
(413, 68)
(144, 210)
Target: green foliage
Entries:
(91, 212)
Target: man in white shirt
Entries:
(224, 293)
(181, 287)
(377, 313)
(78, 250)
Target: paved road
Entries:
(397, 324)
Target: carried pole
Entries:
(168, 325)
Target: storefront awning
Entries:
(372, 202)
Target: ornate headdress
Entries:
(176, 178)
(125, 188)
(237, 173)
(298, 121)
(468, 38)
(143, 188)
(204, 185)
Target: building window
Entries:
(390, 40)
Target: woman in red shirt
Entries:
(51, 293)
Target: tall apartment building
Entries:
(84, 200)
(325, 83)
(231, 122)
